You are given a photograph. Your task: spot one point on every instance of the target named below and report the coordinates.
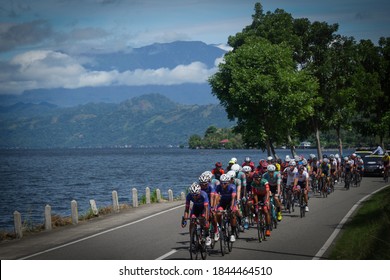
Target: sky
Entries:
(42, 41)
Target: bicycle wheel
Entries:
(202, 245)
(221, 241)
(229, 233)
(259, 229)
(302, 205)
(194, 243)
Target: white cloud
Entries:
(50, 69)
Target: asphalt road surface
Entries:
(154, 232)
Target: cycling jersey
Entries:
(217, 172)
(273, 181)
(209, 190)
(260, 189)
(200, 203)
(290, 175)
(226, 194)
(325, 168)
(302, 177)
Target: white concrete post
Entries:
(170, 195)
(182, 196)
(48, 217)
(94, 209)
(75, 212)
(115, 201)
(147, 194)
(18, 224)
(135, 197)
(158, 194)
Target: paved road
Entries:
(154, 232)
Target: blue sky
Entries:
(42, 39)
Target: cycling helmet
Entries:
(270, 158)
(332, 156)
(218, 164)
(287, 158)
(325, 156)
(326, 160)
(248, 159)
(292, 163)
(336, 156)
(204, 178)
(225, 178)
(207, 173)
(247, 168)
(304, 161)
(231, 174)
(271, 168)
(195, 188)
(346, 158)
(233, 159)
(256, 175)
(301, 167)
(235, 167)
(297, 158)
(312, 156)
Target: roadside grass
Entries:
(367, 235)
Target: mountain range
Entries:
(155, 56)
(147, 120)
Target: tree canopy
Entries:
(288, 78)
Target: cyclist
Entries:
(249, 162)
(226, 199)
(209, 188)
(289, 173)
(262, 167)
(246, 192)
(301, 183)
(261, 192)
(348, 169)
(274, 179)
(200, 208)
(218, 170)
(324, 170)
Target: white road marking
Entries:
(167, 255)
(101, 233)
(330, 240)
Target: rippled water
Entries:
(30, 179)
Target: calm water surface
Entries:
(31, 179)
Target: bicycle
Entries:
(314, 184)
(197, 239)
(347, 180)
(225, 232)
(356, 179)
(260, 219)
(323, 185)
(386, 174)
(274, 221)
(289, 199)
(302, 203)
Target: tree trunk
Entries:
(318, 142)
(268, 147)
(291, 144)
(340, 141)
(273, 151)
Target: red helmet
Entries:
(218, 164)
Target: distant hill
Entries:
(155, 56)
(147, 120)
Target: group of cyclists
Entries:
(245, 189)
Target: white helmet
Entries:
(235, 167)
(271, 168)
(270, 158)
(304, 161)
(336, 156)
(292, 163)
(204, 178)
(247, 168)
(346, 158)
(233, 159)
(195, 188)
(224, 178)
(231, 174)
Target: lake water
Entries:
(31, 179)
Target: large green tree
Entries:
(260, 86)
